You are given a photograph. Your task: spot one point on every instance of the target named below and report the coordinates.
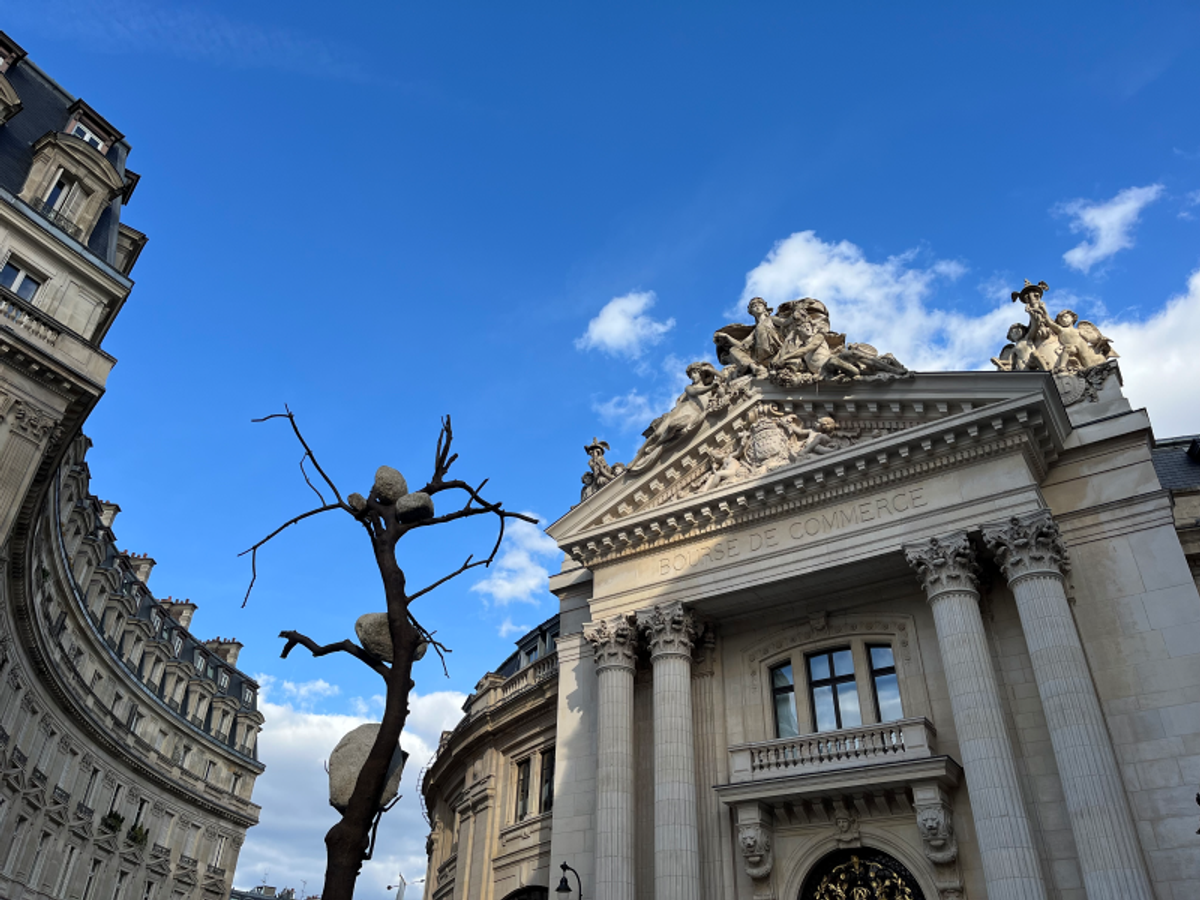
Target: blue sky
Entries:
(382, 213)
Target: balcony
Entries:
(535, 673)
(873, 758)
(57, 219)
(61, 796)
(159, 851)
(38, 777)
(186, 862)
(83, 811)
(216, 871)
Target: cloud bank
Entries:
(1108, 225)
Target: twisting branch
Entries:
(253, 551)
(347, 646)
(290, 416)
(320, 496)
(427, 636)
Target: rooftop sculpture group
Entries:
(1062, 344)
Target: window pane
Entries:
(848, 702)
(887, 689)
(781, 676)
(27, 288)
(818, 667)
(9, 274)
(881, 658)
(786, 725)
(823, 707)
(843, 663)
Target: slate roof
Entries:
(1177, 462)
(44, 108)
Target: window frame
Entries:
(25, 272)
(776, 691)
(834, 681)
(858, 641)
(875, 673)
(546, 787)
(521, 808)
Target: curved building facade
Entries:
(127, 746)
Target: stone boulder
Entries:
(415, 507)
(373, 634)
(347, 760)
(390, 485)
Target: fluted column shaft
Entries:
(613, 642)
(946, 567)
(1033, 558)
(670, 633)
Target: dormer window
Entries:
(17, 278)
(223, 679)
(198, 659)
(177, 643)
(82, 131)
(247, 697)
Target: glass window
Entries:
(19, 281)
(834, 693)
(523, 789)
(783, 695)
(885, 683)
(547, 797)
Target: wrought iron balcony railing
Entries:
(57, 219)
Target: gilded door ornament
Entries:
(862, 875)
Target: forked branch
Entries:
(347, 646)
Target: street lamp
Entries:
(564, 887)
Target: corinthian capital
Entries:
(669, 629)
(613, 640)
(1027, 544)
(944, 564)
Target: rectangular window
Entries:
(783, 695)
(93, 874)
(114, 806)
(547, 793)
(235, 783)
(14, 277)
(193, 839)
(39, 857)
(887, 687)
(64, 874)
(209, 768)
(140, 817)
(523, 789)
(119, 887)
(166, 826)
(90, 791)
(148, 892)
(86, 134)
(833, 690)
(18, 838)
(218, 851)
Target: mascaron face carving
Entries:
(755, 842)
(668, 628)
(937, 833)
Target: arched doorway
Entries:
(860, 874)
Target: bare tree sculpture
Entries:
(387, 514)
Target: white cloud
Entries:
(1108, 225)
(508, 629)
(622, 327)
(1158, 357)
(881, 303)
(632, 410)
(288, 844)
(517, 575)
(306, 692)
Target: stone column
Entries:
(670, 632)
(613, 641)
(946, 567)
(1031, 554)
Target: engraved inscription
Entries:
(808, 527)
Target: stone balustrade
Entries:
(866, 745)
(535, 673)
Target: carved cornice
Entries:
(880, 464)
(1028, 545)
(669, 630)
(944, 564)
(614, 642)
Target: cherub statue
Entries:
(1061, 344)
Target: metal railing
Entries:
(56, 218)
(186, 862)
(61, 796)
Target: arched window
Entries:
(861, 873)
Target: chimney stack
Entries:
(226, 648)
(179, 610)
(108, 512)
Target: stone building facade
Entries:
(127, 746)
(844, 630)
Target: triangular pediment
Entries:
(776, 445)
